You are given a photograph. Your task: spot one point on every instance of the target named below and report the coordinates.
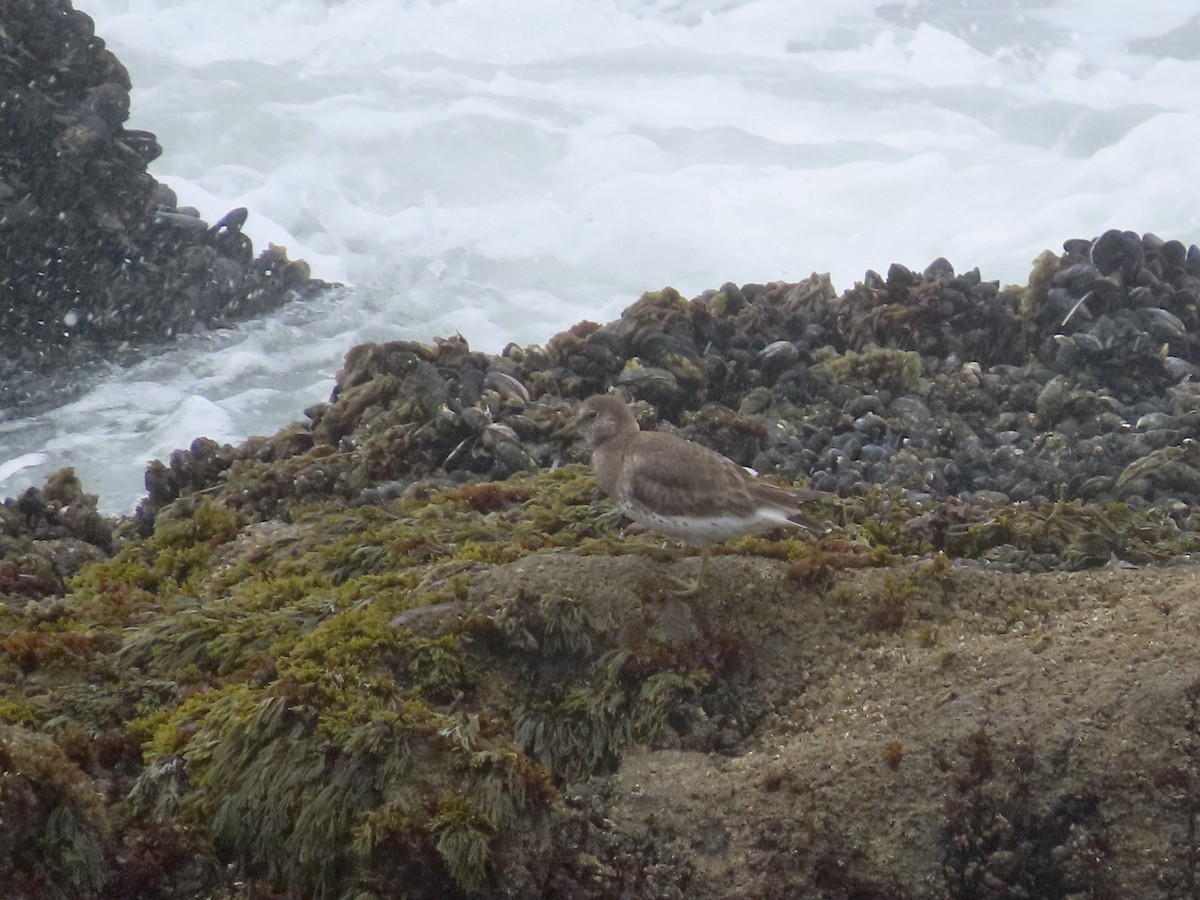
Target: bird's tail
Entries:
(811, 524)
(788, 499)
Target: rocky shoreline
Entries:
(400, 649)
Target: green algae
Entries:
(1076, 535)
(15, 711)
(874, 368)
(325, 703)
(1037, 313)
(165, 564)
(585, 732)
(316, 697)
(310, 730)
(54, 818)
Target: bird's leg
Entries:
(610, 519)
(656, 550)
(687, 588)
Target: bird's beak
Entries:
(568, 430)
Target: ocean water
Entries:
(505, 168)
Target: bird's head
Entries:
(602, 418)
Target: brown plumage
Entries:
(681, 489)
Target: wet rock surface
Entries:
(48, 534)
(403, 646)
(1077, 386)
(386, 650)
(93, 251)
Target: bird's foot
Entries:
(685, 587)
(610, 521)
(656, 551)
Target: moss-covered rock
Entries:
(54, 819)
(436, 695)
(404, 648)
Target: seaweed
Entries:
(585, 732)
(873, 369)
(1003, 837)
(329, 705)
(55, 822)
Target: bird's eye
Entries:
(591, 414)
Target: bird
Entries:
(681, 489)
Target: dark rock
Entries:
(1118, 251)
(90, 243)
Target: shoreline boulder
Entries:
(94, 252)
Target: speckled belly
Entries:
(706, 529)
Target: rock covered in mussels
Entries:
(1076, 386)
(327, 608)
(47, 535)
(91, 245)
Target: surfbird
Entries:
(680, 489)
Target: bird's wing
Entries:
(775, 495)
(677, 478)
